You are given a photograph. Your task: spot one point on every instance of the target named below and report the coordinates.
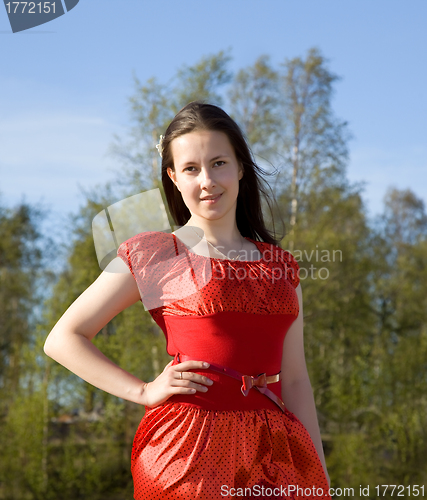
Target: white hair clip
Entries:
(159, 146)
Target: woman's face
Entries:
(206, 166)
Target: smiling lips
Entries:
(212, 198)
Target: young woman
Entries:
(233, 414)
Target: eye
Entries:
(188, 168)
(219, 161)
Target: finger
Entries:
(169, 364)
(191, 365)
(189, 386)
(194, 377)
(188, 380)
(183, 390)
(201, 379)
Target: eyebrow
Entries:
(211, 160)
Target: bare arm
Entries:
(70, 343)
(297, 392)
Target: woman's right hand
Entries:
(175, 379)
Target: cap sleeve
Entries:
(291, 268)
(142, 252)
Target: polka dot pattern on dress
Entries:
(179, 283)
(182, 451)
(205, 454)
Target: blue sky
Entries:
(64, 85)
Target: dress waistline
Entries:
(258, 382)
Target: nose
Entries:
(207, 178)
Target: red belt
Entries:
(248, 381)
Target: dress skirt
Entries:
(182, 452)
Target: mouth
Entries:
(211, 199)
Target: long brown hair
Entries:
(249, 217)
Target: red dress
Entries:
(221, 444)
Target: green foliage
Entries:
(20, 258)
(255, 105)
(202, 81)
(364, 287)
(22, 450)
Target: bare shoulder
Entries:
(116, 286)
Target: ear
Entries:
(241, 170)
(172, 175)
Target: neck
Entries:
(218, 232)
